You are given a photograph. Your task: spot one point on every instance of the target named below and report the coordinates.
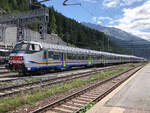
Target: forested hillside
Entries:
(68, 29)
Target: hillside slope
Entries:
(117, 33)
(131, 43)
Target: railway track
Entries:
(7, 76)
(2, 67)
(7, 91)
(3, 70)
(10, 76)
(92, 93)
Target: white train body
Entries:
(32, 56)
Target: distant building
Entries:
(29, 35)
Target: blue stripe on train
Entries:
(43, 63)
(59, 66)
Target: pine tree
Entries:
(52, 23)
(14, 4)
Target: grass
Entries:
(33, 79)
(29, 80)
(12, 102)
(108, 73)
(87, 107)
(5, 84)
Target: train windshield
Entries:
(20, 47)
(26, 47)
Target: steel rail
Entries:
(9, 90)
(51, 105)
(110, 90)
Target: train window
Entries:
(74, 57)
(20, 47)
(82, 57)
(45, 55)
(37, 47)
(69, 56)
(99, 57)
(87, 57)
(77, 57)
(56, 56)
(34, 47)
(50, 54)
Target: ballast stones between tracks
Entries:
(27, 87)
(74, 104)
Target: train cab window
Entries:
(20, 47)
(34, 47)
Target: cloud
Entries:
(136, 20)
(104, 18)
(115, 3)
(129, 2)
(99, 20)
(110, 3)
(94, 19)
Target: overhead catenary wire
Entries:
(67, 4)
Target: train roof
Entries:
(68, 49)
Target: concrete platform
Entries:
(133, 96)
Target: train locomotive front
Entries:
(22, 54)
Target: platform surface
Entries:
(133, 96)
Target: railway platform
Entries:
(133, 96)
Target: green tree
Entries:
(52, 22)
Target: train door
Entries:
(104, 59)
(64, 59)
(45, 58)
(90, 60)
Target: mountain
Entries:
(131, 43)
(118, 34)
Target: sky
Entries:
(132, 16)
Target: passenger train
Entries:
(5, 50)
(30, 56)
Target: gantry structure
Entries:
(20, 20)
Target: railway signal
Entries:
(42, 30)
